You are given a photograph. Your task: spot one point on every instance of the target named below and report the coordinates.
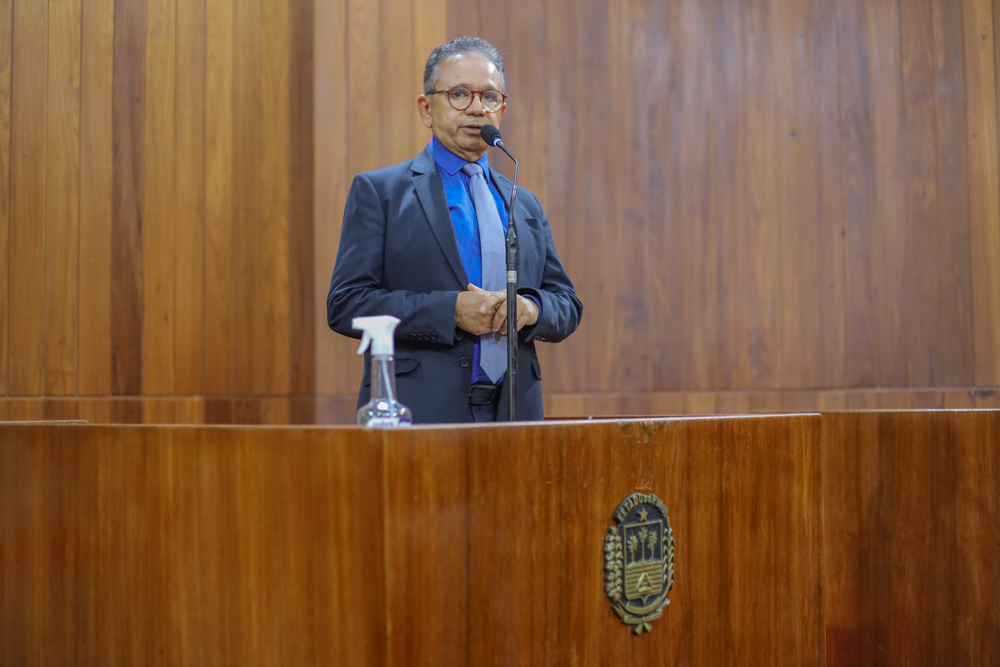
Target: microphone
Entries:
(491, 135)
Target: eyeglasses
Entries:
(460, 98)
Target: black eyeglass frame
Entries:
(472, 97)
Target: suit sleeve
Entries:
(357, 288)
(561, 310)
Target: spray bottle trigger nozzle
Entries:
(366, 339)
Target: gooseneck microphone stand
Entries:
(491, 135)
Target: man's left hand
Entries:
(527, 311)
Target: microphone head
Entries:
(490, 135)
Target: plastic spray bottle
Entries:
(383, 411)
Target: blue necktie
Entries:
(493, 347)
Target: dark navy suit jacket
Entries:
(398, 256)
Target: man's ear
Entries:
(424, 109)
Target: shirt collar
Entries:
(453, 164)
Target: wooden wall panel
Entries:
(631, 210)
(829, 212)
(247, 240)
(157, 169)
(691, 269)
(953, 363)
(273, 324)
(396, 64)
(922, 205)
(728, 190)
(6, 48)
(62, 200)
(856, 192)
(29, 74)
(96, 188)
(761, 217)
(159, 198)
(560, 53)
(823, 242)
(336, 372)
(797, 364)
(220, 358)
(128, 179)
(594, 60)
(304, 300)
(888, 151)
(783, 197)
(982, 64)
(190, 186)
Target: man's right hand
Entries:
(475, 310)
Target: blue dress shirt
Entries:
(457, 188)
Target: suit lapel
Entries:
(430, 192)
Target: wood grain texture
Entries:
(830, 208)
(563, 406)
(6, 49)
(689, 205)
(591, 470)
(145, 541)
(272, 324)
(96, 196)
(127, 210)
(954, 365)
(304, 309)
(797, 135)
(62, 199)
(922, 194)
(911, 545)
(26, 348)
(159, 198)
(782, 196)
(762, 337)
(190, 187)
(250, 363)
(220, 357)
(336, 372)
(429, 30)
(888, 152)
(857, 195)
(129, 277)
(982, 62)
(477, 545)
(398, 101)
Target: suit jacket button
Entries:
(434, 336)
(464, 362)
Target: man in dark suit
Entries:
(419, 242)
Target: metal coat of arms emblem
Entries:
(639, 561)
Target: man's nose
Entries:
(476, 108)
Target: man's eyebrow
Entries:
(470, 86)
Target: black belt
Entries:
(484, 393)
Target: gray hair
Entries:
(462, 46)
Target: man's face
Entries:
(459, 130)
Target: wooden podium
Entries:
(841, 539)
(479, 545)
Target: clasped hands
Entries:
(480, 312)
